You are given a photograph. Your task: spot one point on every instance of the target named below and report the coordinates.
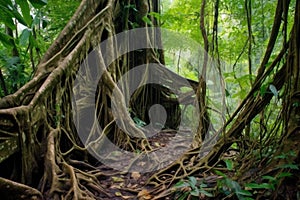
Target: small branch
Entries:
(250, 36)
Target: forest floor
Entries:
(118, 185)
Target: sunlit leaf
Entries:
(155, 14)
(147, 20)
(25, 10)
(18, 16)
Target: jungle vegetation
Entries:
(253, 46)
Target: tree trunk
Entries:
(37, 121)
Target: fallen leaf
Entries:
(156, 144)
(118, 194)
(142, 164)
(117, 179)
(135, 175)
(114, 187)
(128, 197)
(132, 186)
(144, 195)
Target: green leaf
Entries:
(271, 178)
(290, 166)
(263, 90)
(273, 90)
(193, 181)
(220, 173)
(227, 93)
(285, 174)
(13, 61)
(139, 122)
(229, 164)
(259, 186)
(244, 192)
(18, 16)
(38, 3)
(131, 6)
(233, 185)
(195, 192)
(282, 156)
(25, 10)
(155, 14)
(183, 196)
(181, 184)
(206, 193)
(147, 20)
(292, 153)
(6, 40)
(6, 15)
(32, 41)
(24, 37)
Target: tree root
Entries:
(11, 190)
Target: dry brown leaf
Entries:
(119, 194)
(128, 197)
(114, 187)
(144, 195)
(135, 175)
(142, 164)
(132, 186)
